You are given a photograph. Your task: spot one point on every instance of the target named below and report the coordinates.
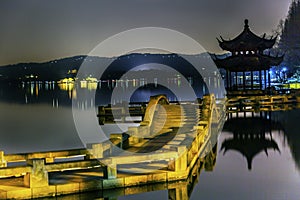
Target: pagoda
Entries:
(247, 66)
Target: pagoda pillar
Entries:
(227, 79)
(269, 78)
(265, 73)
(244, 81)
(260, 80)
(236, 80)
(230, 81)
(251, 80)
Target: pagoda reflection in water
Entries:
(251, 135)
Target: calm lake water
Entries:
(258, 155)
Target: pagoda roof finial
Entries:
(247, 41)
(246, 26)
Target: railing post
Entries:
(49, 160)
(3, 162)
(137, 134)
(180, 163)
(38, 177)
(96, 150)
(110, 171)
(133, 132)
(144, 131)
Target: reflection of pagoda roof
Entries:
(251, 125)
(247, 41)
(249, 136)
(248, 62)
(249, 147)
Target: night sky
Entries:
(36, 31)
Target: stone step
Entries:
(163, 119)
(177, 114)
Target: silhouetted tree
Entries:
(290, 36)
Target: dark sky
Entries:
(40, 30)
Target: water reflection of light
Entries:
(142, 81)
(155, 82)
(90, 82)
(37, 90)
(32, 88)
(53, 85)
(92, 86)
(74, 94)
(89, 85)
(83, 84)
(55, 103)
(66, 86)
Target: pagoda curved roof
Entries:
(247, 41)
(248, 62)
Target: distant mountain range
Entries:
(52, 70)
(68, 67)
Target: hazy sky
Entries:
(40, 30)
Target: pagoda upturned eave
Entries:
(247, 41)
(241, 63)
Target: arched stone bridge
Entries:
(179, 134)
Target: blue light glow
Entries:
(284, 69)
